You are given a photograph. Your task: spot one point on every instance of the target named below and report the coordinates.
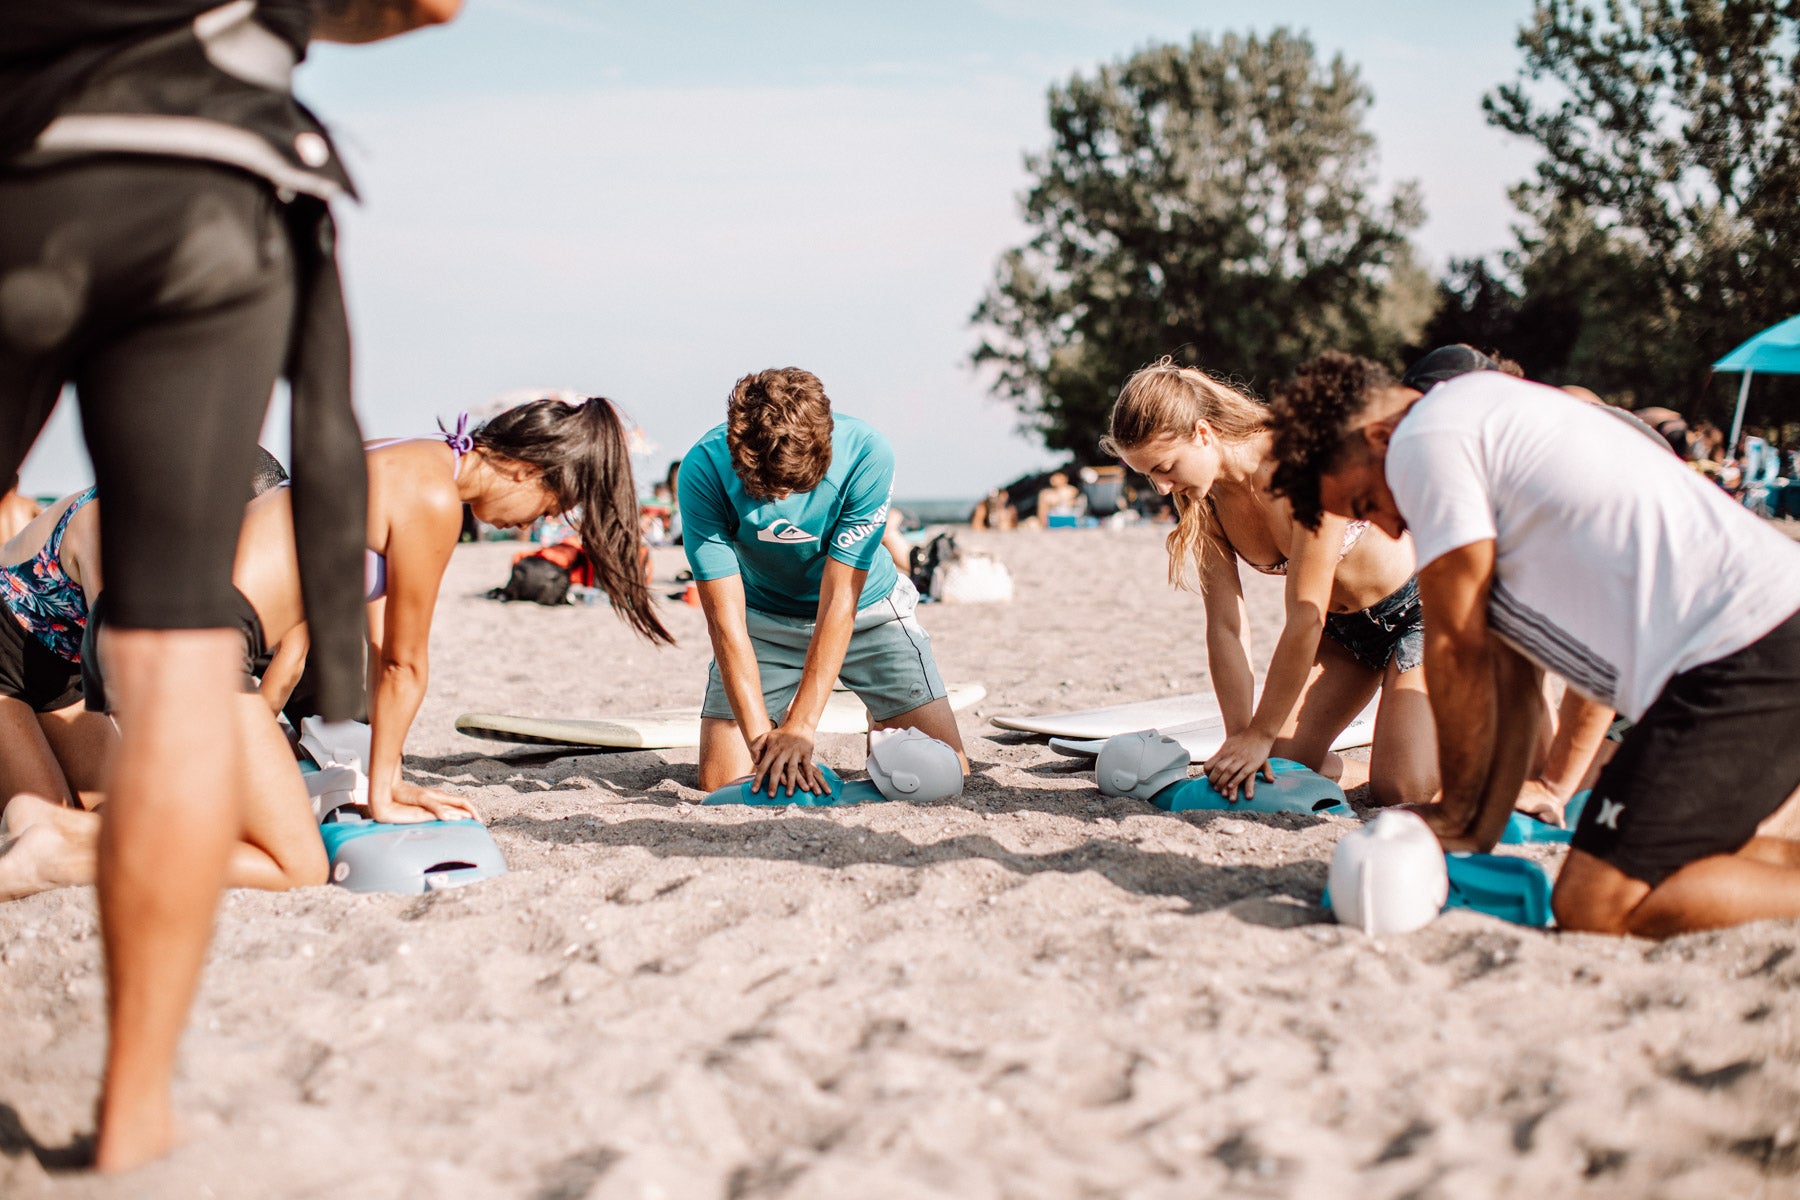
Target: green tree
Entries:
(1211, 202)
(1665, 213)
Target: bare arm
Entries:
(419, 547)
(81, 552)
(1581, 728)
(360, 21)
(1484, 702)
(785, 755)
(1227, 637)
(1312, 565)
(722, 600)
(284, 669)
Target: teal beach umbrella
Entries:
(1774, 351)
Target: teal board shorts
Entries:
(889, 664)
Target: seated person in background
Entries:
(784, 508)
(1060, 498)
(1553, 536)
(673, 483)
(994, 511)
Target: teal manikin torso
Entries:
(780, 546)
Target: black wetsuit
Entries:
(166, 247)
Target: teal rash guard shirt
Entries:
(780, 546)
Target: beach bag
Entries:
(972, 579)
(926, 559)
(544, 576)
(537, 579)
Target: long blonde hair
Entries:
(1165, 400)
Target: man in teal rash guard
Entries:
(782, 511)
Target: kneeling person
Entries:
(783, 508)
(1553, 535)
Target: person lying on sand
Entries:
(1553, 536)
(1353, 614)
(537, 459)
(783, 511)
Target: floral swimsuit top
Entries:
(41, 597)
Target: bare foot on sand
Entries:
(44, 846)
(133, 1135)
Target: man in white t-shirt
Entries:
(1552, 535)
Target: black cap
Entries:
(1446, 362)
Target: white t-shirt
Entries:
(1616, 566)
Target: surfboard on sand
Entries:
(669, 729)
(1117, 718)
(1192, 719)
(1202, 739)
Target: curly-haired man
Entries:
(1554, 534)
(783, 508)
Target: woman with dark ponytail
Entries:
(582, 453)
(538, 459)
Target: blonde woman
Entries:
(1353, 619)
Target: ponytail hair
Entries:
(581, 450)
(1165, 400)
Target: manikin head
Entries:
(1333, 422)
(1389, 876)
(909, 764)
(1140, 764)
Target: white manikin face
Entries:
(906, 764)
(1140, 764)
(1389, 876)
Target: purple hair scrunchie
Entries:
(462, 441)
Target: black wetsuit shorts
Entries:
(1713, 756)
(163, 289)
(93, 661)
(32, 672)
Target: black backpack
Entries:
(537, 579)
(926, 559)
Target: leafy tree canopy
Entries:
(1664, 216)
(1211, 202)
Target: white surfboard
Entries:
(1118, 718)
(668, 729)
(1202, 738)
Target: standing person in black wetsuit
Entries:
(166, 247)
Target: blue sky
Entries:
(647, 201)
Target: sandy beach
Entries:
(1032, 992)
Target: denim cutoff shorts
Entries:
(1390, 630)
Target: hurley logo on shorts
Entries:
(784, 530)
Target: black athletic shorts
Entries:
(164, 290)
(93, 665)
(32, 672)
(1711, 759)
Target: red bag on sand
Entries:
(566, 554)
